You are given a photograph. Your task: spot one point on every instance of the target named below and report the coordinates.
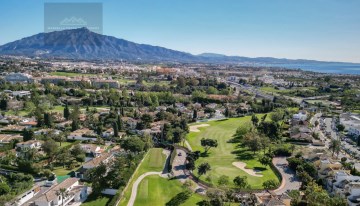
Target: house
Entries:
(24, 197)
(92, 163)
(21, 93)
(28, 123)
(51, 197)
(105, 158)
(108, 133)
(327, 167)
(354, 194)
(14, 78)
(7, 138)
(130, 122)
(351, 123)
(47, 131)
(301, 133)
(31, 144)
(92, 149)
(82, 134)
(338, 185)
(13, 128)
(301, 116)
(272, 199)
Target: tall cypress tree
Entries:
(116, 130)
(66, 112)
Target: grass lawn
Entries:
(222, 157)
(153, 161)
(155, 190)
(70, 74)
(60, 171)
(92, 200)
(64, 144)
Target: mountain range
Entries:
(83, 44)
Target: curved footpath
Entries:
(136, 185)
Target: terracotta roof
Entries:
(275, 202)
(97, 160)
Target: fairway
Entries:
(222, 157)
(155, 190)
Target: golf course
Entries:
(227, 158)
(155, 190)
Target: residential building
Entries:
(14, 78)
(7, 138)
(351, 123)
(76, 191)
(82, 134)
(301, 116)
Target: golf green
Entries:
(222, 157)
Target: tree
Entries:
(97, 175)
(335, 146)
(60, 138)
(340, 127)
(3, 104)
(133, 144)
(50, 148)
(28, 135)
(277, 115)
(116, 130)
(120, 123)
(66, 112)
(63, 157)
(48, 121)
(253, 141)
(146, 120)
(4, 188)
(240, 182)
(227, 112)
(270, 184)
(265, 160)
(254, 119)
(316, 123)
(208, 143)
(223, 180)
(75, 125)
(178, 135)
(195, 114)
(77, 150)
(269, 129)
(190, 165)
(203, 168)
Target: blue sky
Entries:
(302, 29)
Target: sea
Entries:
(334, 68)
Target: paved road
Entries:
(179, 166)
(289, 179)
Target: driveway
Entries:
(289, 179)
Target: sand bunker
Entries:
(194, 128)
(242, 165)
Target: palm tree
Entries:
(63, 193)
